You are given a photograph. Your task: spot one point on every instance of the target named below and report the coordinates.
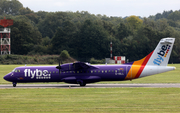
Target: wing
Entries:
(82, 65)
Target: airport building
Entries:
(116, 60)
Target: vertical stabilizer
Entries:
(161, 55)
(155, 62)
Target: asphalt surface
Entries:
(90, 86)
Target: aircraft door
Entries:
(129, 72)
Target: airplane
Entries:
(83, 73)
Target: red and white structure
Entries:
(111, 56)
(120, 59)
(5, 36)
(116, 60)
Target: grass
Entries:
(93, 100)
(90, 100)
(168, 77)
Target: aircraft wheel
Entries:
(82, 84)
(14, 84)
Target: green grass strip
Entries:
(90, 100)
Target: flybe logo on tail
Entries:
(161, 54)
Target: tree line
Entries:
(86, 35)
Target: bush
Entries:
(64, 55)
(95, 61)
(33, 59)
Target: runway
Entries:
(9, 86)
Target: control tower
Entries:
(5, 36)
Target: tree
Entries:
(24, 11)
(64, 55)
(10, 7)
(64, 37)
(134, 21)
(175, 16)
(33, 17)
(122, 31)
(50, 24)
(158, 16)
(24, 37)
(93, 41)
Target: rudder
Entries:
(161, 54)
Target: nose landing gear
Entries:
(14, 84)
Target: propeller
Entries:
(59, 67)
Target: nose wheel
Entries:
(14, 84)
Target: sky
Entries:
(119, 8)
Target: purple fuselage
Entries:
(68, 74)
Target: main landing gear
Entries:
(81, 83)
(14, 84)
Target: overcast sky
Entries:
(120, 8)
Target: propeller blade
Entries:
(59, 67)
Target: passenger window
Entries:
(98, 71)
(91, 71)
(112, 70)
(56, 71)
(106, 71)
(109, 71)
(102, 71)
(18, 70)
(15, 70)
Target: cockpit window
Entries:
(16, 70)
(13, 70)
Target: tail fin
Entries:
(161, 55)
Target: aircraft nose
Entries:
(7, 77)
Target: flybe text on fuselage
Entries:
(162, 53)
(39, 74)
